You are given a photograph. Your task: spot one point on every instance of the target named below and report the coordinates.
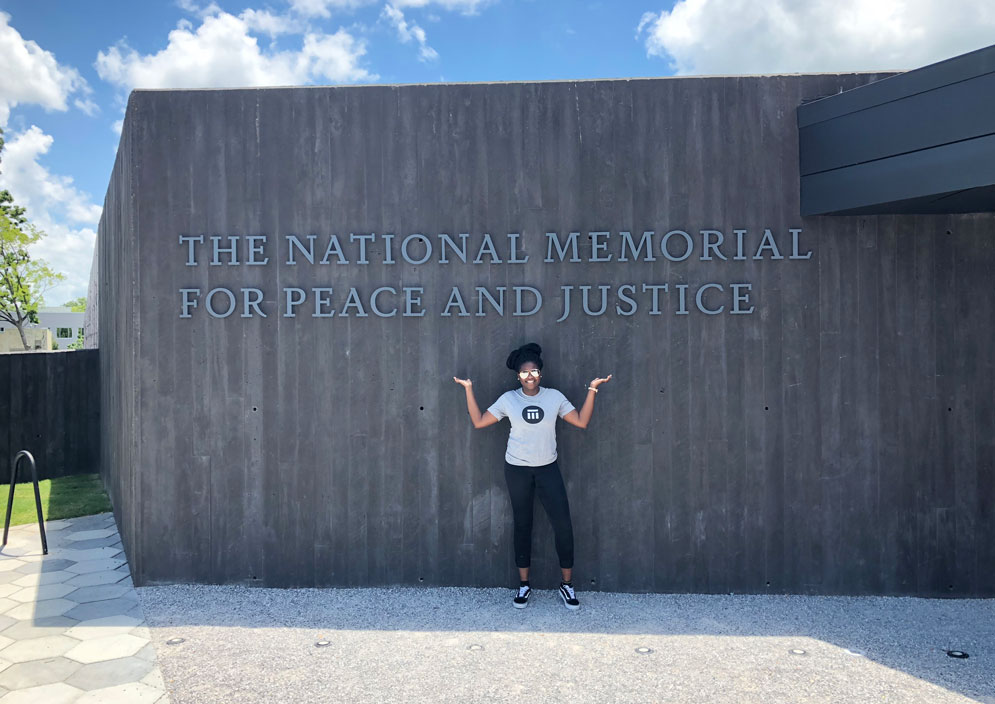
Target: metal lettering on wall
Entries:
(370, 249)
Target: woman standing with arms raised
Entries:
(530, 461)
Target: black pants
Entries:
(523, 483)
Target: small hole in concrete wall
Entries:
(592, 581)
(949, 232)
(421, 579)
(766, 408)
(421, 408)
(254, 408)
(950, 409)
(950, 587)
(768, 584)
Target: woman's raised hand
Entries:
(465, 383)
(599, 381)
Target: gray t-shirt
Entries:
(532, 441)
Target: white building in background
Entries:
(64, 324)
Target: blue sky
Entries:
(66, 68)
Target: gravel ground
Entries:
(469, 645)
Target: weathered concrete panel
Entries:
(804, 446)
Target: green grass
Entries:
(66, 497)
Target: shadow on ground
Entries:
(906, 635)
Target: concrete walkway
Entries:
(72, 629)
(71, 626)
(469, 645)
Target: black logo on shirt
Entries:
(532, 414)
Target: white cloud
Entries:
(221, 52)
(323, 8)
(56, 206)
(407, 32)
(799, 36)
(87, 105)
(196, 10)
(266, 22)
(467, 7)
(31, 75)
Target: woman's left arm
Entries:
(584, 417)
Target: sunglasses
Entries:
(527, 374)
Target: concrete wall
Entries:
(91, 318)
(836, 439)
(50, 406)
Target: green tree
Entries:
(22, 280)
(77, 305)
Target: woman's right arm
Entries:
(479, 420)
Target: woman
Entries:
(530, 461)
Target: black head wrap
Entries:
(526, 353)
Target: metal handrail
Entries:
(24, 454)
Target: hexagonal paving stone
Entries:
(99, 609)
(38, 556)
(109, 648)
(91, 534)
(48, 591)
(107, 626)
(4, 665)
(8, 589)
(59, 693)
(7, 621)
(95, 578)
(110, 673)
(53, 526)
(7, 604)
(147, 653)
(95, 522)
(89, 566)
(9, 576)
(10, 563)
(112, 541)
(131, 693)
(5, 641)
(84, 595)
(91, 554)
(43, 578)
(38, 672)
(14, 550)
(46, 566)
(154, 679)
(38, 648)
(41, 609)
(38, 628)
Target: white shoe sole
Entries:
(564, 600)
(519, 606)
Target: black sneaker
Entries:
(522, 598)
(569, 596)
